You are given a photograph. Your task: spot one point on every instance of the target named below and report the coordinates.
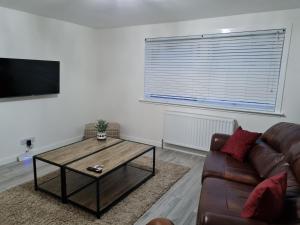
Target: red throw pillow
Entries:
(240, 143)
(266, 201)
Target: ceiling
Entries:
(118, 13)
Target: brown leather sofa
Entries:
(227, 183)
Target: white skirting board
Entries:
(35, 151)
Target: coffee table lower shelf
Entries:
(101, 194)
(51, 183)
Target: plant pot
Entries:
(101, 135)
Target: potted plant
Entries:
(101, 127)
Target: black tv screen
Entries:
(24, 77)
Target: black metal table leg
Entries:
(63, 185)
(153, 165)
(98, 198)
(34, 174)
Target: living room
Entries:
(104, 49)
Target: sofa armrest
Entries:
(217, 141)
(160, 221)
(217, 219)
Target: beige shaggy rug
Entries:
(23, 205)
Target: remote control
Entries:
(95, 169)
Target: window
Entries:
(240, 70)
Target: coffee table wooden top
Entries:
(64, 155)
(110, 158)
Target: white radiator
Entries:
(194, 130)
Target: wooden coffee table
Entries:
(120, 176)
(124, 169)
(60, 157)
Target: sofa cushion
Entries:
(293, 186)
(293, 154)
(240, 143)
(221, 165)
(218, 141)
(264, 158)
(282, 136)
(222, 197)
(292, 201)
(296, 169)
(266, 201)
(160, 221)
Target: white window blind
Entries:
(236, 70)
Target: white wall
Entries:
(122, 62)
(55, 120)
(102, 76)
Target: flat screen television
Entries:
(25, 77)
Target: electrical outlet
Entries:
(24, 141)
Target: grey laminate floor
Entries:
(178, 204)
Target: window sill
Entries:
(213, 108)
